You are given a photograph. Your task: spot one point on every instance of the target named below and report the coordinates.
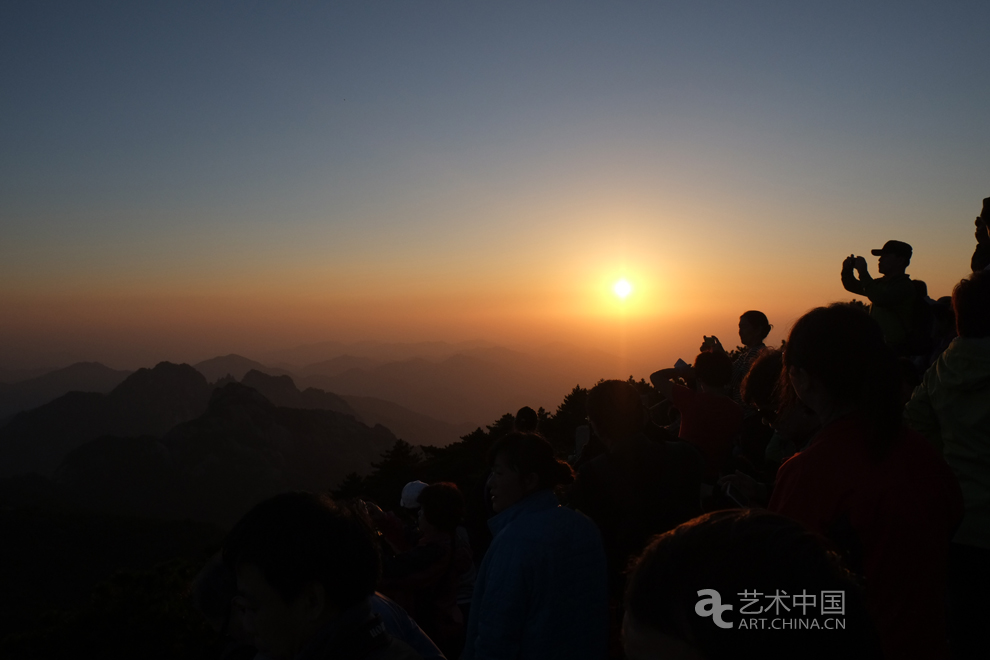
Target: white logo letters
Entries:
(712, 606)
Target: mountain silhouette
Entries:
(14, 376)
(339, 364)
(148, 402)
(282, 391)
(233, 365)
(241, 450)
(79, 377)
(414, 428)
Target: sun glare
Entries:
(622, 288)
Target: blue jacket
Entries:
(542, 589)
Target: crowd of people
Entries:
(827, 499)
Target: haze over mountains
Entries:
(471, 383)
(33, 392)
(206, 441)
(464, 385)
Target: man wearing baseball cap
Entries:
(892, 296)
(981, 257)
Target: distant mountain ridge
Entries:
(79, 377)
(282, 391)
(338, 365)
(433, 398)
(166, 443)
(415, 428)
(148, 402)
(233, 365)
(241, 450)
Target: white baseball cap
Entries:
(410, 494)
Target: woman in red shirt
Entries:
(879, 491)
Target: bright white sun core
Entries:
(622, 288)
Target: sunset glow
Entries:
(622, 288)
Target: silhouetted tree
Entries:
(399, 466)
(352, 486)
(571, 413)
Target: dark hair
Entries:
(530, 453)
(759, 321)
(745, 550)
(761, 385)
(713, 368)
(299, 538)
(443, 505)
(526, 420)
(971, 302)
(844, 348)
(616, 409)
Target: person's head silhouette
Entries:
(895, 257)
(684, 594)
(300, 561)
(754, 326)
(615, 410)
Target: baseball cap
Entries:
(898, 248)
(410, 494)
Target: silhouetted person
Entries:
(981, 256)
(710, 420)
(541, 590)
(793, 423)
(952, 409)
(526, 420)
(306, 570)
(739, 560)
(400, 527)
(754, 326)
(638, 488)
(892, 297)
(424, 579)
(879, 491)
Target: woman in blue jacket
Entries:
(542, 590)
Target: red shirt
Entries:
(710, 421)
(900, 511)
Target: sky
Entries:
(180, 180)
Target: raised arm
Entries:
(662, 380)
(849, 280)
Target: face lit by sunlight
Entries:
(622, 288)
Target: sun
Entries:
(622, 288)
